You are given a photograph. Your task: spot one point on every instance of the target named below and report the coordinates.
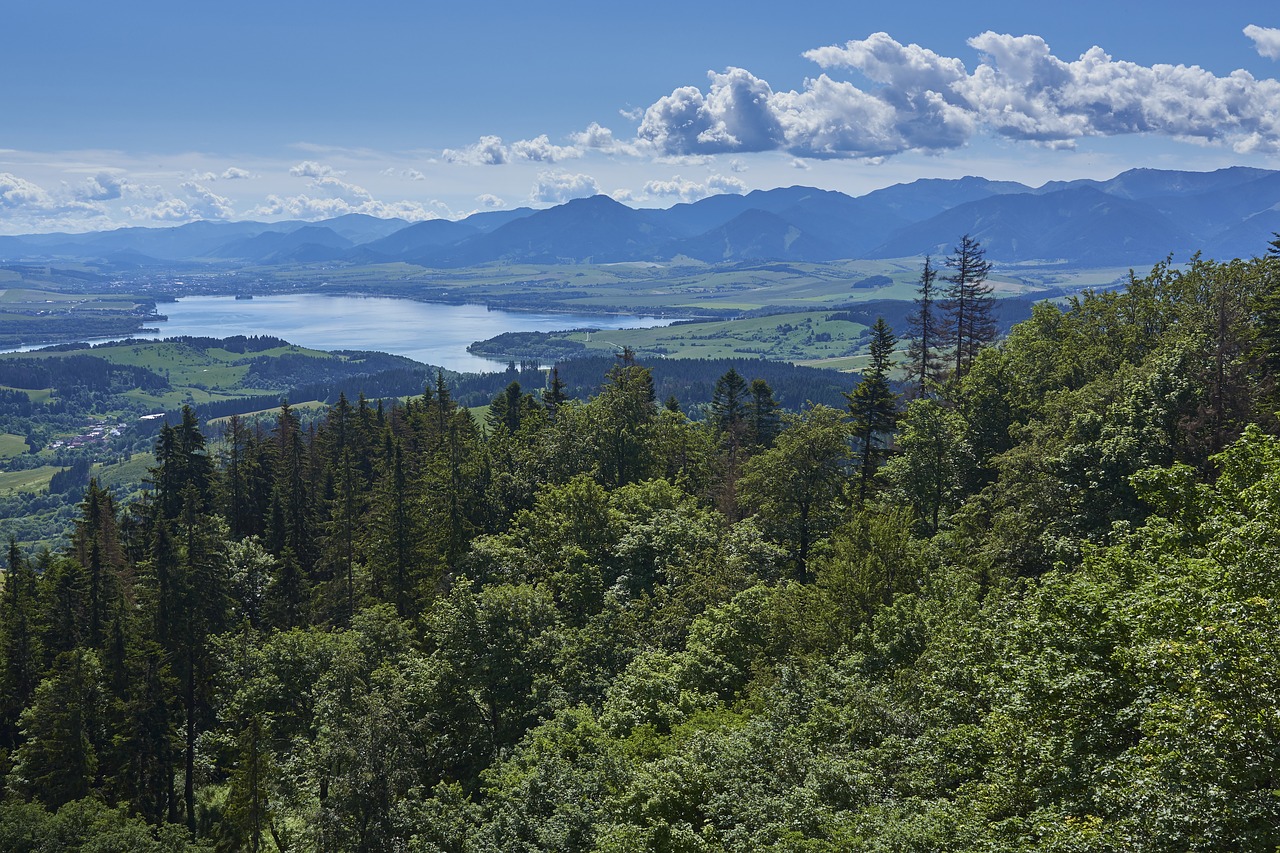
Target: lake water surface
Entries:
(429, 332)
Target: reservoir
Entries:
(429, 332)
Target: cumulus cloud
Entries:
(924, 101)
(490, 201)
(492, 151)
(17, 192)
(331, 197)
(103, 186)
(233, 173)
(312, 169)
(540, 150)
(168, 210)
(1266, 40)
(690, 191)
(488, 151)
(206, 204)
(559, 187)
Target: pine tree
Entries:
(763, 420)
(969, 303)
(924, 334)
(19, 643)
(554, 396)
(874, 406)
(729, 419)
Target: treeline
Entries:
(297, 370)
(78, 371)
(1032, 605)
(692, 381)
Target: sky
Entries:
(156, 114)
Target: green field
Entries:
(31, 480)
(687, 288)
(35, 308)
(304, 406)
(12, 445)
(195, 376)
(779, 337)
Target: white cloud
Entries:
(559, 187)
(488, 151)
(232, 173)
(207, 204)
(540, 150)
(312, 169)
(414, 175)
(16, 192)
(595, 136)
(1266, 40)
(490, 201)
(335, 197)
(1021, 90)
(169, 210)
(103, 186)
(491, 151)
(923, 101)
(737, 165)
(690, 191)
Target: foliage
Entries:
(1046, 621)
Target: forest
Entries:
(1025, 599)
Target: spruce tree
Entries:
(924, 334)
(19, 643)
(969, 303)
(763, 420)
(874, 406)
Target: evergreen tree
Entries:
(19, 643)
(63, 732)
(181, 460)
(763, 420)
(554, 396)
(729, 419)
(729, 406)
(96, 545)
(924, 334)
(874, 406)
(623, 412)
(968, 304)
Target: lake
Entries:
(424, 331)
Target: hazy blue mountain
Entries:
(927, 197)
(753, 235)
(1156, 183)
(14, 248)
(277, 247)
(1213, 212)
(193, 240)
(1245, 239)
(490, 220)
(1137, 217)
(361, 227)
(851, 226)
(1082, 225)
(416, 240)
(596, 229)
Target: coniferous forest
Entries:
(1027, 599)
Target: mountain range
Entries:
(1136, 218)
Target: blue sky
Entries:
(145, 113)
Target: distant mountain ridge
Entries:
(1136, 218)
